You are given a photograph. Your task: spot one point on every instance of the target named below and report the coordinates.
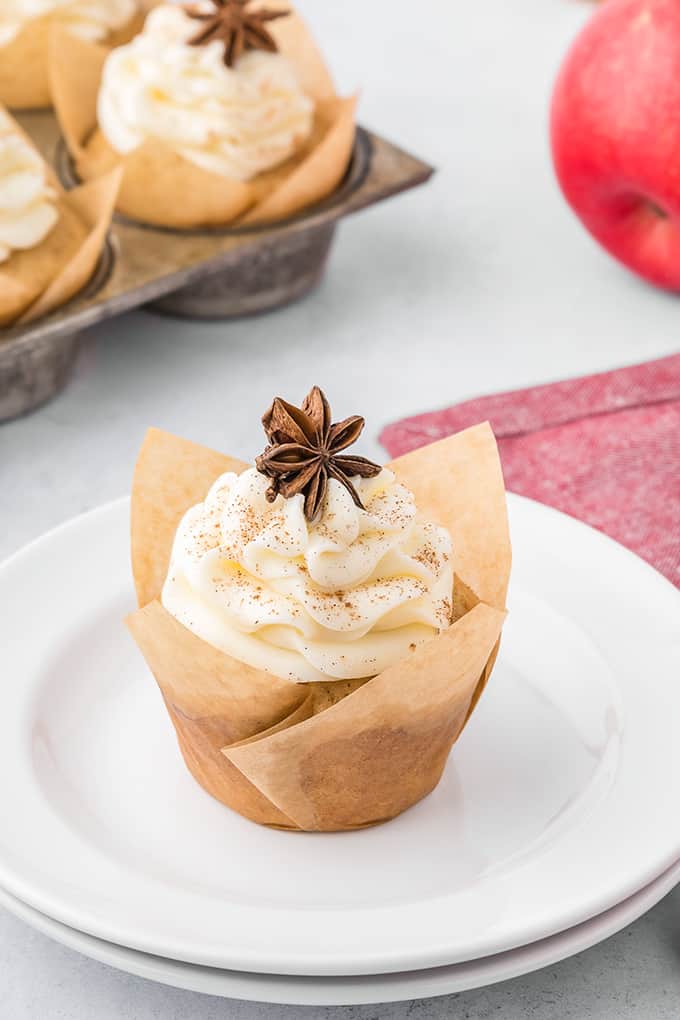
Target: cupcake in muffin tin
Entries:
(219, 113)
(25, 26)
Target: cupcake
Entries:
(219, 112)
(320, 627)
(24, 31)
(50, 240)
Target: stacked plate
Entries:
(555, 825)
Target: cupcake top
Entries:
(90, 19)
(28, 209)
(314, 565)
(205, 81)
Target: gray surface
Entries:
(481, 281)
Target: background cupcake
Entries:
(50, 240)
(218, 111)
(24, 31)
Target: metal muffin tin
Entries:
(206, 273)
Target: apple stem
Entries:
(656, 209)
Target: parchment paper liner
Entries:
(293, 755)
(35, 282)
(162, 188)
(24, 81)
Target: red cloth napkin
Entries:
(604, 448)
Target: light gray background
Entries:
(480, 281)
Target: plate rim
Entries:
(370, 989)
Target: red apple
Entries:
(615, 132)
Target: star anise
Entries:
(240, 28)
(305, 450)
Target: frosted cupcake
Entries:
(49, 241)
(225, 106)
(28, 209)
(314, 565)
(320, 627)
(24, 32)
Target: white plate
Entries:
(329, 991)
(559, 801)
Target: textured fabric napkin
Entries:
(604, 448)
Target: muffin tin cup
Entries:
(32, 373)
(275, 268)
(36, 362)
(279, 270)
(200, 274)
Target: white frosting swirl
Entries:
(27, 202)
(236, 121)
(90, 19)
(341, 598)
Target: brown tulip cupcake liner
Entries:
(24, 78)
(36, 281)
(335, 755)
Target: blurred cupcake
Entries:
(50, 241)
(226, 107)
(24, 31)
